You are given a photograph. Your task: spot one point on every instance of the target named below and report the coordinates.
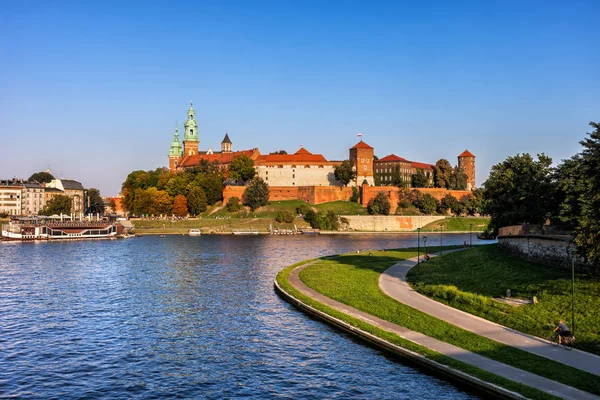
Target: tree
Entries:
(380, 204)
(162, 203)
(242, 169)
(234, 204)
(449, 202)
(59, 204)
(142, 202)
(112, 204)
(579, 185)
(427, 204)
(458, 179)
(41, 177)
(355, 195)
(212, 185)
(95, 201)
(256, 194)
(329, 221)
(280, 152)
(344, 173)
(473, 202)
(177, 185)
(442, 173)
(284, 216)
(519, 190)
(397, 178)
(196, 200)
(419, 179)
(180, 207)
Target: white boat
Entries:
(42, 228)
(194, 232)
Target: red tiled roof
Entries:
(302, 156)
(420, 165)
(220, 158)
(466, 153)
(392, 158)
(361, 145)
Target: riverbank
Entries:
(351, 279)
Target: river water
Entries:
(185, 317)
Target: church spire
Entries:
(176, 149)
(191, 126)
(226, 144)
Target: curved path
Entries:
(393, 283)
(507, 371)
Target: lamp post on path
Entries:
(572, 252)
(418, 245)
(441, 239)
(425, 245)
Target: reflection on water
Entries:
(184, 317)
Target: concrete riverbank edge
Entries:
(409, 355)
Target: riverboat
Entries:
(194, 232)
(48, 228)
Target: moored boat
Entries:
(45, 228)
(194, 232)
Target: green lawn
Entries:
(469, 280)
(353, 280)
(528, 392)
(462, 224)
(342, 208)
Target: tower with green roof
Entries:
(175, 151)
(191, 139)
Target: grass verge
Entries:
(353, 280)
(458, 224)
(470, 280)
(529, 392)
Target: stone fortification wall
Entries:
(310, 194)
(388, 223)
(394, 193)
(547, 249)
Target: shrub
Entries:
(234, 204)
(327, 222)
(427, 204)
(284, 216)
(303, 209)
(256, 194)
(380, 204)
(355, 195)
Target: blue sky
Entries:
(93, 89)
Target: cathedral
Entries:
(303, 168)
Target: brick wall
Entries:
(393, 193)
(310, 194)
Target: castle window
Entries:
(293, 176)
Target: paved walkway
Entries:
(393, 283)
(515, 374)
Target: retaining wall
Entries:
(388, 223)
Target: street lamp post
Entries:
(573, 290)
(418, 245)
(425, 245)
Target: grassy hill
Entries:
(461, 224)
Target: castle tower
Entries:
(466, 161)
(175, 151)
(226, 144)
(361, 156)
(191, 139)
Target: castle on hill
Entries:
(303, 168)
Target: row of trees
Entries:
(415, 202)
(524, 190)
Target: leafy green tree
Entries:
(519, 190)
(178, 185)
(427, 204)
(242, 169)
(95, 201)
(473, 202)
(137, 180)
(212, 185)
(41, 177)
(302, 209)
(161, 202)
(442, 174)
(380, 204)
(579, 187)
(449, 202)
(234, 204)
(142, 202)
(59, 204)
(419, 179)
(280, 152)
(196, 200)
(180, 207)
(458, 179)
(344, 173)
(256, 194)
(397, 179)
(356, 194)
